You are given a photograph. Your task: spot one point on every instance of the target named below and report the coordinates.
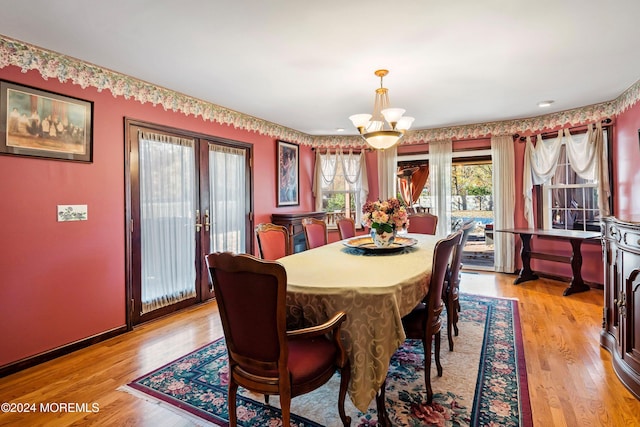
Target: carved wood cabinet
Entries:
(621, 316)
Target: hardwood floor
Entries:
(571, 382)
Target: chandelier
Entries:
(372, 126)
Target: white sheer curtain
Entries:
(504, 194)
(324, 174)
(227, 182)
(589, 159)
(387, 164)
(589, 153)
(440, 154)
(354, 169)
(167, 212)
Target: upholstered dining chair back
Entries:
(273, 241)
(424, 321)
(456, 260)
(452, 283)
(346, 228)
(315, 232)
(423, 223)
(263, 356)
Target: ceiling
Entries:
(310, 65)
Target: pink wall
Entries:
(627, 165)
(64, 282)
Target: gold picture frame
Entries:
(43, 124)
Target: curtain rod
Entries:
(548, 134)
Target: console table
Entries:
(573, 236)
(293, 222)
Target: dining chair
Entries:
(346, 228)
(263, 356)
(315, 232)
(424, 322)
(273, 241)
(423, 223)
(451, 295)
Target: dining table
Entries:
(375, 288)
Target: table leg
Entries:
(525, 273)
(577, 284)
(383, 417)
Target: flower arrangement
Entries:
(385, 216)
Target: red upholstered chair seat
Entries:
(310, 359)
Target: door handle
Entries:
(206, 220)
(198, 225)
(621, 302)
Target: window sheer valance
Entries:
(587, 155)
(349, 166)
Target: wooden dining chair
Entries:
(315, 232)
(263, 356)
(346, 228)
(424, 322)
(451, 293)
(423, 223)
(273, 241)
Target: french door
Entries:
(470, 196)
(189, 195)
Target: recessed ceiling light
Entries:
(340, 130)
(544, 104)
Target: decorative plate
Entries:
(365, 243)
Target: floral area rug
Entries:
(484, 381)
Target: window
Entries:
(569, 201)
(341, 190)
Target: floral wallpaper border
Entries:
(64, 68)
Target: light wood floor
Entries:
(571, 381)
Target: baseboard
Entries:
(37, 359)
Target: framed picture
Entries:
(288, 174)
(37, 123)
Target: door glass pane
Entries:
(227, 183)
(472, 199)
(167, 212)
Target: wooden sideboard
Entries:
(621, 315)
(293, 222)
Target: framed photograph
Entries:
(37, 123)
(288, 174)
